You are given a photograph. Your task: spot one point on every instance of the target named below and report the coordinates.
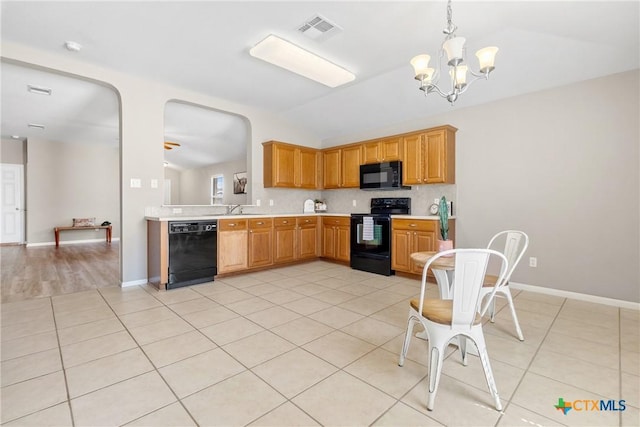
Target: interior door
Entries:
(12, 198)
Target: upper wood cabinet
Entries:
(429, 157)
(290, 166)
(382, 150)
(342, 167)
(350, 167)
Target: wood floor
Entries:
(47, 270)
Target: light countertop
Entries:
(278, 215)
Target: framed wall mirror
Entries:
(204, 150)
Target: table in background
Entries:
(57, 230)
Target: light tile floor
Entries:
(314, 344)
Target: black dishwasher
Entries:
(193, 256)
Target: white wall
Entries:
(67, 181)
(12, 151)
(561, 165)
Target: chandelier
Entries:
(453, 47)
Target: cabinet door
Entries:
(331, 168)
(401, 243)
(412, 165)
(371, 152)
(328, 241)
(350, 171)
(391, 149)
(232, 251)
(423, 241)
(260, 244)
(439, 165)
(343, 243)
(283, 165)
(307, 169)
(285, 244)
(308, 241)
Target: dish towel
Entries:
(367, 228)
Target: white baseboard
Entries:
(70, 242)
(134, 283)
(576, 295)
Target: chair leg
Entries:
(462, 344)
(436, 352)
(492, 309)
(507, 294)
(407, 339)
(486, 366)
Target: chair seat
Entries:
(438, 310)
(490, 281)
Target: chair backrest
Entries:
(516, 243)
(469, 271)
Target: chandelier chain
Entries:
(451, 27)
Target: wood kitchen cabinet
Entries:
(429, 157)
(290, 166)
(295, 238)
(409, 236)
(341, 167)
(284, 242)
(336, 238)
(331, 168)
(307, 237)
(382, 150)
(232, 245)
(260, 242)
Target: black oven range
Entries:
(371, 234)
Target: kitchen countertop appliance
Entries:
(193, 257)
(371, 234)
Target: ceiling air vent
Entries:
(319, 28)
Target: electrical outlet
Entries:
(270, 202)
(257, 202)
(354, 203)
(436, 201)
(154, 183)
(533, 261)
(176, 210)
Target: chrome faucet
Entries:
(231, 208)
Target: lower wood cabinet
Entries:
(336, 243)
(409, 236)
(307, 238)
(260, 242)
(233, 245)
(284, 242)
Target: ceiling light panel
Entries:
(286, 55)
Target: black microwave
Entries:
(382, 176)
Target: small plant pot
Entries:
(445, 245)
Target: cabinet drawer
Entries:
(232, 224)
(412, 224)
(336, 220)
(284, 221)
(306, 221)
(260, 223)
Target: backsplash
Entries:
(338, 201)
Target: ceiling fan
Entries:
(169, 145)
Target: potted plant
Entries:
(444, 243)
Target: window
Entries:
(217, 189)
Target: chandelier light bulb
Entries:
(454, 48)
(487, 58)
(459, 75)
(420, 65)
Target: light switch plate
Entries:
(136, 183)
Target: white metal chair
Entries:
(515, 245)
(445, 319)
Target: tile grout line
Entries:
(515, 390)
